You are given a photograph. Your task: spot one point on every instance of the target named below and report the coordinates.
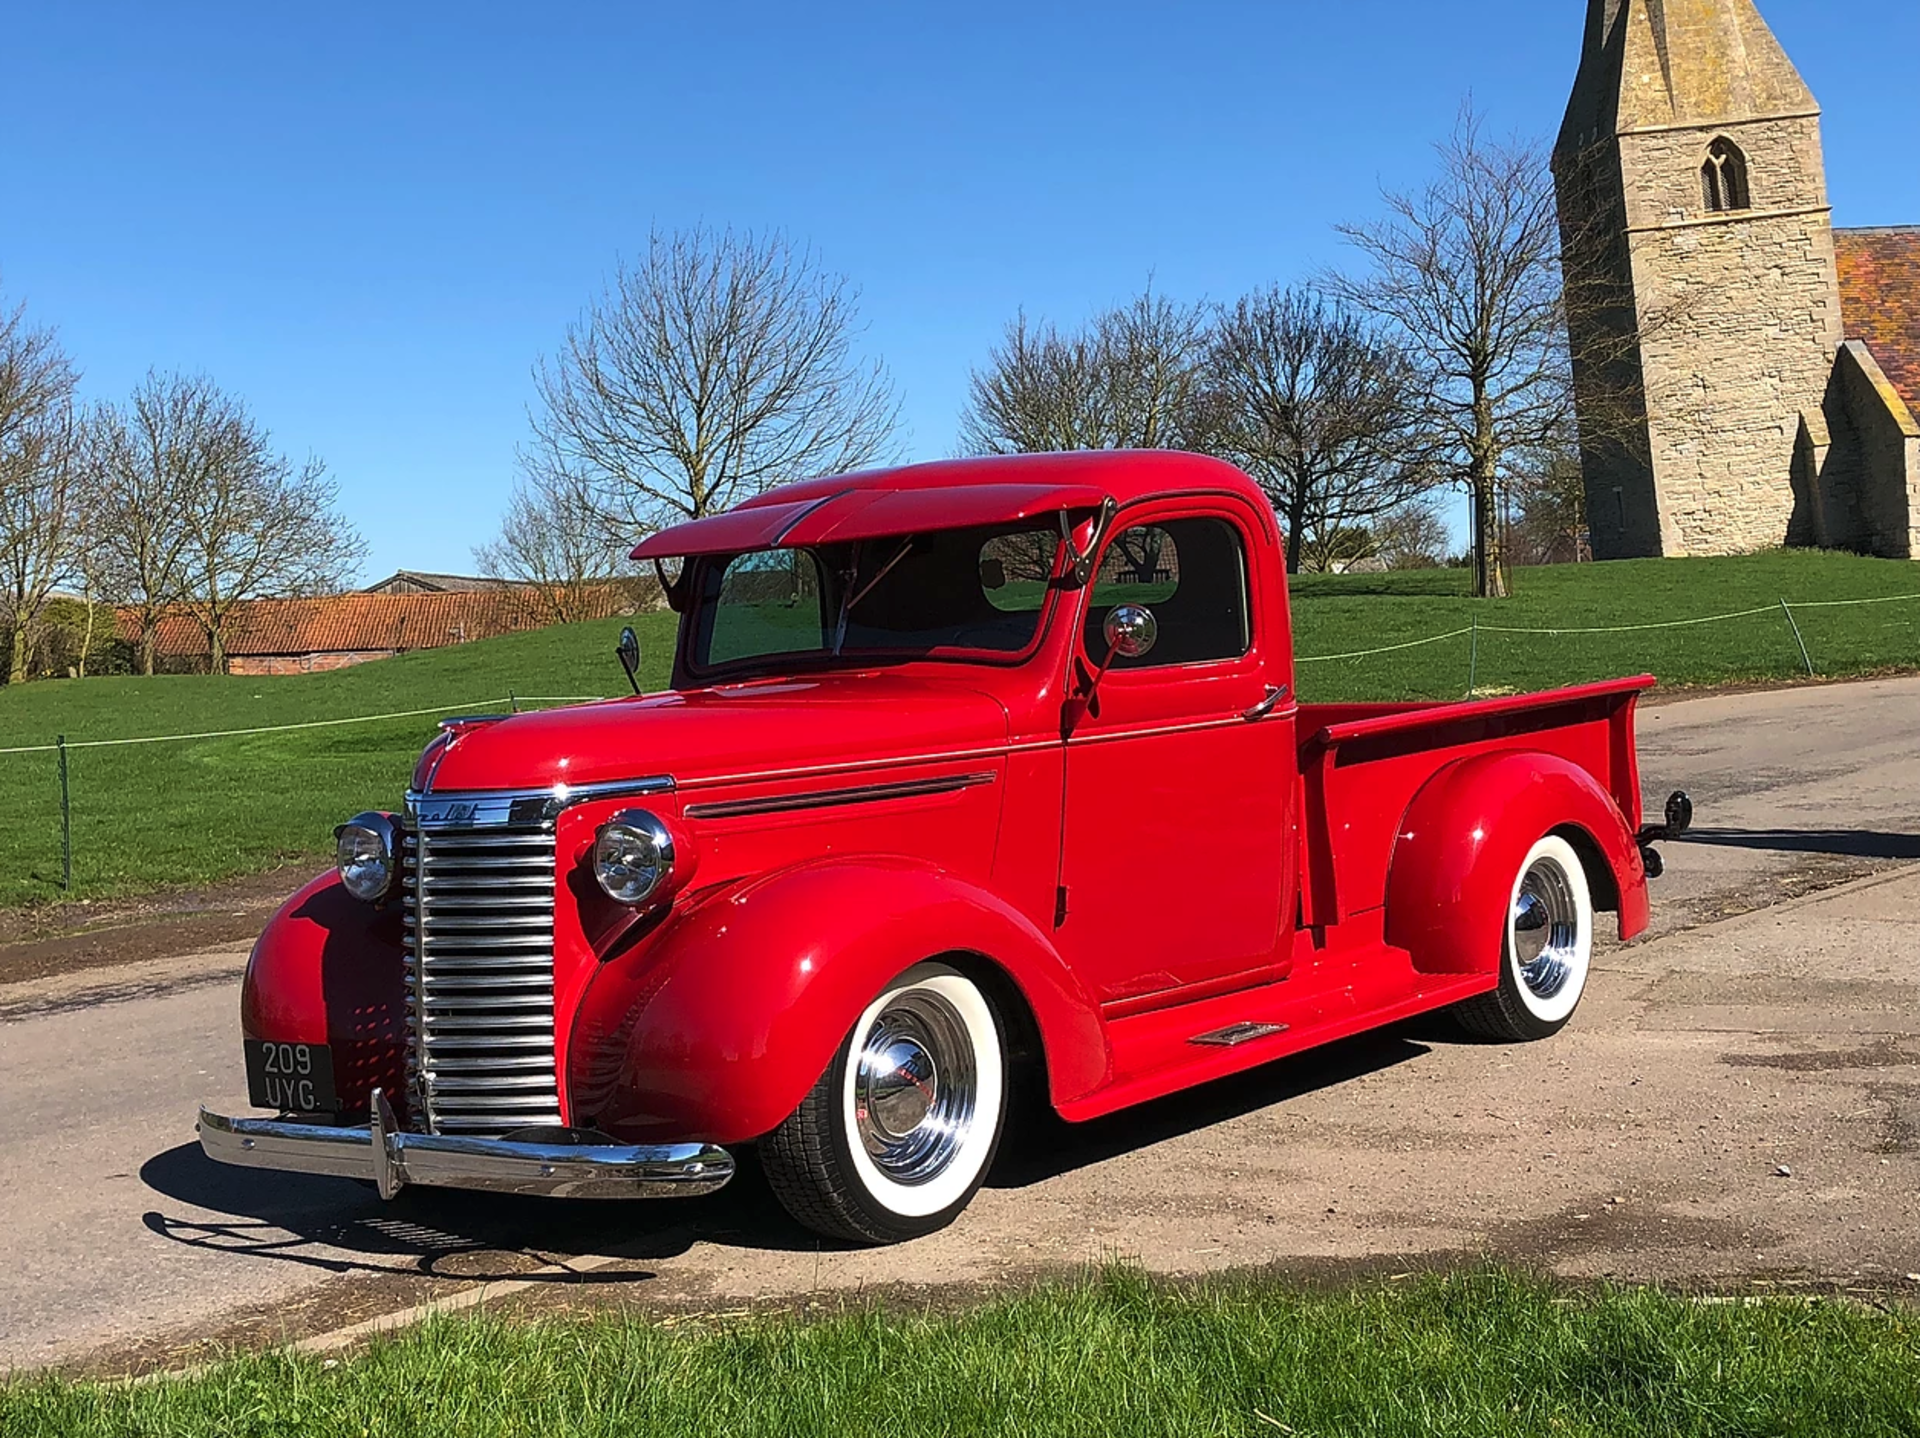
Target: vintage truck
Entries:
(972, 775)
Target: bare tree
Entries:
(1547, 503)
(554, 543)
(720, 364)
(1320, 411)
(1413, 537)
(192, 509)
(1467, 272)
(38, 492)
(260, 526)
(1133, 378)
(141, 469)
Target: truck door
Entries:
(1177, 842)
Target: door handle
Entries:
(1275, 693)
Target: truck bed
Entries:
(1362, 764)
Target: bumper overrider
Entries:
(392, 1158)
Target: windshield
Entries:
(961, 590)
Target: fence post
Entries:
(1473, 656)
(1794, 625)
(66, 820)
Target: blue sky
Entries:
(369, 221)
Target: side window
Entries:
(768, 604)
(1192, 573)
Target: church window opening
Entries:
(1724, 178)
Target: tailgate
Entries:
(1360, 767)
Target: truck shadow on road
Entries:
(1044, 1146)
(338, 1226)
(1848, 843)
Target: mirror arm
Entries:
(1080, 705)
(1082, 566)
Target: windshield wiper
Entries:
(849, 598)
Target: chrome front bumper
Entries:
(392, 1159)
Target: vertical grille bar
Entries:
(478, 920)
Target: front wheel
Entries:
(896, 1137)
(1547, 953)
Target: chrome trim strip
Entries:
(834, 798)
(392, 1159)
(487, 808)
(955, 756)
(479, 808)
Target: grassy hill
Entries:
(1339, 614)
(162, 815)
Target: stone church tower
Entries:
(1691, 182)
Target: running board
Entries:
(1234, 1035)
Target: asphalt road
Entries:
(1772, 1022)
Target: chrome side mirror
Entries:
(629, 651)
(1131, 632)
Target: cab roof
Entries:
(947, 494)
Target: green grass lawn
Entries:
(1484, 1353)
(1338, 614)
(157, 816)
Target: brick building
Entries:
(1774, 367)
(304, 636)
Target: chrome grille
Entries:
(479, 944)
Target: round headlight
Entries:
(366, 847)
(632, 856)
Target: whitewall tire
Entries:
(1546, 952)
(896, 1137)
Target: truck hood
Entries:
(738, 730)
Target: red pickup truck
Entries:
(972, 775)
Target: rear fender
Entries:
(718, 1027)
(1450, 878)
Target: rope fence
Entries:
(62, 746)
(1477, 628)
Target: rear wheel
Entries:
(1547, 953)
(895, 1138)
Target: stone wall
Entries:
(1740, 317)
(1870, 484)
(1623, 509)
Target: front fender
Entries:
(719, 1026)
(1462, 841)
(328, 969)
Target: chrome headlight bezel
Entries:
(366, 855)
(633, 857)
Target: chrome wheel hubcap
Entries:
(1546, 929)
(914, 1087)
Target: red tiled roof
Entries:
(356, 623)
(1880, 299)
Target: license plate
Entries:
(296, 1078)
